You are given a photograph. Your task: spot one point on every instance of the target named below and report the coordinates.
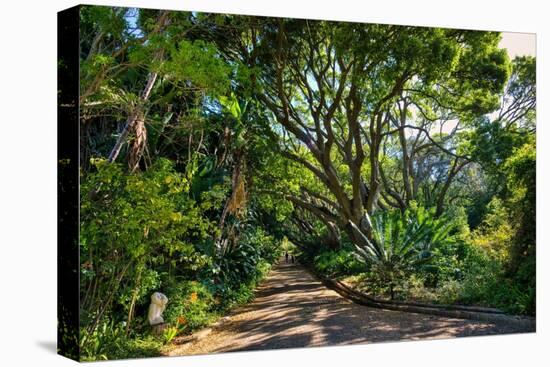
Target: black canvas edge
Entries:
(68, 190)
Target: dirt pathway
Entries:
(293, 309)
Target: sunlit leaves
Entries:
(197, 65)
(133, 219)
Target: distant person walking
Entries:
(286, 257)
(292, 258)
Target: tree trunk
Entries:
(456, 167)
(406, 164)
(232, 205)
(133, 303)
(138, 145)
(333, 236)
(133, 118)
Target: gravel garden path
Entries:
(293, 309)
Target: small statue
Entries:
(156, 308)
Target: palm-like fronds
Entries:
(399, 243)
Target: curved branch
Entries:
(432, 140)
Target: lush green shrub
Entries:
(240, 266)
(190, 306)
(230, 289)
(494, 235)
(415, 289)
(449, 292)
(525, 278)
(134, 227)
(448, 256)
(486, 283)
(137, 347)
(109, 341)
(339, 263)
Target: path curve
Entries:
(293, 309)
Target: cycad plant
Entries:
(400, 243)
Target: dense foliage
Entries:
(143, 232)
(400, 158)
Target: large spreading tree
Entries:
(352, 102)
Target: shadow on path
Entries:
(292, 309)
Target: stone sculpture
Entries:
(156, 308)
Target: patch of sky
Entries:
(131, 17)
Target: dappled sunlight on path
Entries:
(293, 309)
